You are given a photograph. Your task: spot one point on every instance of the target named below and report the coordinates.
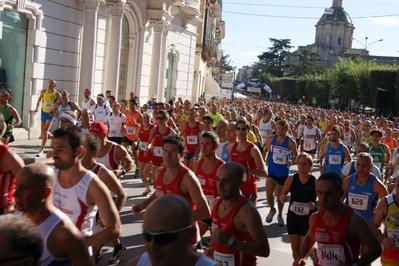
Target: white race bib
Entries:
(334, 159)
(309, 145)
(358, 201)
(192, 140)
(48, 105)
(210, 199)
(280, 156)
(158, 151)
(202, 180)
(159, 193)
(394, 234)
(131, 130)
(143, 146)
(329, 255)
(299, 208)
(223, 259)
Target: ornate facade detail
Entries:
(21, 5)
(92, 4)
(157, 25)
(166, 27)
(116, 9)
(187, 20)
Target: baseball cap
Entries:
(132, 93)
(153, 96)
(98, 127)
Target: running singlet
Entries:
(391, 222)
(44, 230)
(115, 123)
(202, 261)
(223, 255)
(334, 159)
(191, 137)
(62, 109)
(265, 128)
(173, 188)
(208, 181)
(131, 128)
(366, 139)
(301, 195)
(378, 156)
(86, 105)
(390, 144)
(109, 159)
(7, 183)
(244, 158)
(72, 202)
(347, 138)
(48, 100)
(278, 158)
(322, 126)
(157, 146)
(144, 136)
(7, 117)
(362, 198)
(309, 138)
(334, 243)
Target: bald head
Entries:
(169, 212)
(233, 169)
(42, 173)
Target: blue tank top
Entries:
(334, 160)
(225, 153)
(279, 154)
(362, 198)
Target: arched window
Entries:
(339, 41)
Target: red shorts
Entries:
(144, 159)
(156, 161)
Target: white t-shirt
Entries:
(375, 171)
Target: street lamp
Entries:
(365, 43)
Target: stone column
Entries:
(88, 47)
(157, 26)
(113, 46)
(163, 57)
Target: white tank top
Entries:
(265, 128)
(72, 202)
(44, 230)
(299, 129)
(86, 105)
(347, 138)
(309, 141)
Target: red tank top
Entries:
(223, 254)
(144, 136)
(157, 141)
(208, 181)
(191, 137)
(97, 168)
(7, 183)
(131, 128)
(335, 243)
(244, 158)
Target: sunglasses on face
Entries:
(161, 118)
(64, 120)
(164, 237)
(241, 128)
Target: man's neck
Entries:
(222, 139)
(42, 213)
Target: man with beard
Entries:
(78, 192)
(338, 230)
(334, 153)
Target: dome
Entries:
(339, 15)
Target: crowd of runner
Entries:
(211, 153)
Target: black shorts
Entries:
(116, 139)
(251, 197)
(310, 152)
(7, 135)
(208, 222)
(279, 180)
(132, 143)
(189, 155)
(297, 224)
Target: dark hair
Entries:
(378, 131)
(164, 113)
(208, 117)
(244, 122)
(21, 236)
(133, 101)
(334, 178)
(76, 137)
(212, 135)
(92, 142)
(112, 97)
(174, 139)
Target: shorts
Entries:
(46, 116)
(156, 161)
(297, 224)
(129, 142)
(144, 159)
(7, 134)
(208, 222)
(251, 197)
(189, 155)
(279, 180)
(116, 139)
(310, 152)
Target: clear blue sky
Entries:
(248, 36)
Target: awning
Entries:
(211, 86)
(239, 96)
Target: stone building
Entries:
(162, 47)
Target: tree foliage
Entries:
(226, 65)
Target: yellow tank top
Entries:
(48, 100)
(252, 137)
(392, 229)
(365, 139)
(323, 124)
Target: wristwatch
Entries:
(230, 242)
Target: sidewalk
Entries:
(27, 150)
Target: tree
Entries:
(226, 63)
(272, 60)
(305, 65)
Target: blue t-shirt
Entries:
(279, 154)
(334, 159)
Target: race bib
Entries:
(329, 255)
(48, 105)
(131, 130)
(334, 159)
(280, 156)
(192, 140)
(210, 199)
(143, 146)
(394, 234)
(159, 193)
(357, 201)
(309, 145)
(299, 208)
(158, 151)
(244, 177)
(223, 259)
(202, 180)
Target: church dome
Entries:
(339, 15)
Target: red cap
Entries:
(98, 127)
(132, 93)
(167, 106)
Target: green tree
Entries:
(306, 65)
(272, 60)
(226, 65)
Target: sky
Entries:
(249, 25)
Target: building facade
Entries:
(142, 46)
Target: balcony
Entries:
(191, 7)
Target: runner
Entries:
(115, 121)
(11, 116)
(190, 131)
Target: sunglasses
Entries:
(241, 128)
(164, 237)
(161, 118)
(64, 120)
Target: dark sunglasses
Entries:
(241, 128)
(161, 118)
(164, 237)
(64, 120)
